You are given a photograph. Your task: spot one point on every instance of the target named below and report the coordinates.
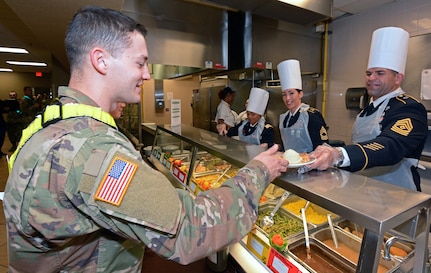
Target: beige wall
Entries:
(16, 81)
(348, 54)
(179, 89)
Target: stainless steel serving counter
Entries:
(377, 206)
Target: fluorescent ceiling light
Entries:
(26, 63)
(5, 70)
(12, 50)
(294, 2)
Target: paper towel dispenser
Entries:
(356, 98)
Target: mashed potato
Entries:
(292, 156)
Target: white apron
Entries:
(253, 138)
(297, 137)
(368, 127)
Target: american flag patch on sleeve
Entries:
(116, 181)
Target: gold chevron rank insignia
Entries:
(323, 133)
(403, 127)
(374, 146)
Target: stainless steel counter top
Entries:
(377, 206)
(374, 204)
(149, 127)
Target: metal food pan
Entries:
(329, 260)
(268, 207)
(349, 244)
(350, 228)
(323, 259)
(319, 210)
(185, 157)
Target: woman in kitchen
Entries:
(225, 118)
(254, 129)
(302, 128)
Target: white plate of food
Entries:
(296, 159)
(297, 165)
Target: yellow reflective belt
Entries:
(54, 113)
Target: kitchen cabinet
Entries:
(376, 206)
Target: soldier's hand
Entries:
(275, 164)
(325, 157)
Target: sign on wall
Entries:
(175, 112)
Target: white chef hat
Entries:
(289, 73)
(257, 100)
(389, 47)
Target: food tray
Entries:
(323, 260)
(208, 163)
(349, 228)
(212, 179)
(266, 208)
(349, 247)
(318, 212)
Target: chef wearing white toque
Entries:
(254, 129)
(302, 128)
(390, 133)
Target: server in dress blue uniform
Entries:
(302, 128)
(389, 135)
(254, 129)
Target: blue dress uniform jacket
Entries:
(267, 135)
(403, 134)
(316, 129)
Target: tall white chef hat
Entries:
(389, 47)
(289, 73)
(257, 100)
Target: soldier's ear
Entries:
(99, 60)
(399, 78)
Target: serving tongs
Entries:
(331, 227)
(223, 174)
(307, 237)
(268, 220)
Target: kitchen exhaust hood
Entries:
(303, 12)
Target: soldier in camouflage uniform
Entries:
(79, 197)
(13, 120)
(29, 107)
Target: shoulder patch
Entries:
(268, 126)
(403, 127)
(403, 98)
(312, 109)
(116, 181)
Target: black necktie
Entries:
(369, 110)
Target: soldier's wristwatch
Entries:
(340, 159)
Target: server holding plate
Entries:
(388, 135)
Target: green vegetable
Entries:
(282, 225)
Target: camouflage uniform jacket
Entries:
(58, 220)
(29, 109)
